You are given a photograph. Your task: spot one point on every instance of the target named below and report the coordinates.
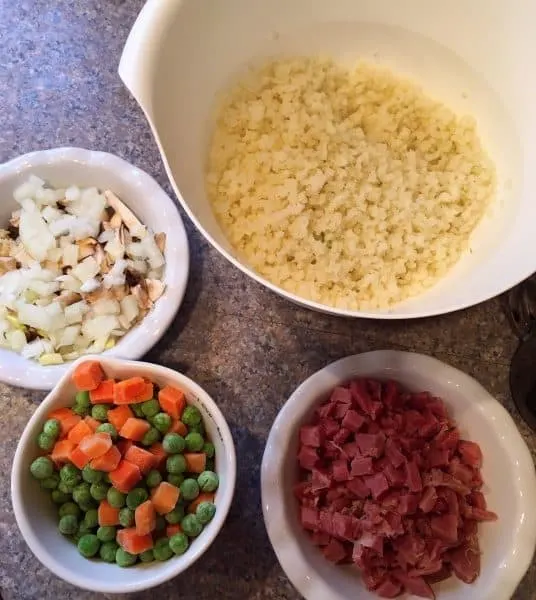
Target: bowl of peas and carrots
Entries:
(124, 475)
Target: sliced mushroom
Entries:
(99, 294)
(155, 288)
(4, 233)
(18, 252)
(160, 241)
(86, 247)
(51, 265)
(142, 296)
(66, 298)
(119, 292)
(6, 247)
(115, 221)
(127, 216)
(7, 263)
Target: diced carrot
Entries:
(203, 497)
(131, 542)
(78, 458)
(161, 455)
(143, 459)
(164, 497)
(118, 416)
(125, 477)
(126, 391)
(107, 514)
(107, 462)
(195, 461)
(145, 518)
(124, 445)
(104, 393)
(87, 375)
(79, 432)
(172, 401)
(146, 394)
(61, 453)
(93, 423)
(67, 418)
(178, 427)
(96, 444)
(134, 429)
(172, 530)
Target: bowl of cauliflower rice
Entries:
(93, 259)
(360, 158)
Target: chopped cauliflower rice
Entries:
(348, 187)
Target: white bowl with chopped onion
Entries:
(93, 259)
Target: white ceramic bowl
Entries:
(508, 471)
(142, 194)
(37, 516)
(181, 53)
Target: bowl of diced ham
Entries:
(93, 259)
(391, 474)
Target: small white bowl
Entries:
(155, 209)
(508, 472)
(37, 516)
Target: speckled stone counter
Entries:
(246, 346)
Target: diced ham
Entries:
(477, 499)
(340, 470)
(358, 487)
(447, 439)
(411, 548)
(461, 472)
(341, 395)
(444, 573)
(465, 563)
(370, 444)
(414, 585)
(389, 588)
(309, 518)
(375, 542)
(470, 453)
(341, 436)
(390, 396)
(329, 427)
(408, 504)
(311, 435)
(351, 449)
(353, 420)
(308, 458)
(377, 484)
(413, 477)
(445, 527)
(437, 477)
(319, 538)
(413, 422)
(326, 410)
(320, 480)
(340, 411)
(479, 514)
(361, 466)
(393, 451)
(396, 477)
(438, 457)
(428, 500)
(334, 551)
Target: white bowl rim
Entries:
(285, 546)
(224, 499)
(38, 377)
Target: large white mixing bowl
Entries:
(475, 55)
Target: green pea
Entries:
(88, 545)
(91, 475)
(178, 543)
(161, 549)
(136, 409)
(52, 427)
(173, 443)
(150, 408)
(189, 489)
(70, 475)
(191, 416)
(100, 412)
(191, 526)
(176, 464)
(82, 494)
(136, 497)
(176, 515)
(45, 442)
(205, 512)
(147, 556)
(199, 428)
(84, 528)
(124, 559)
(175, 479)
(194, 442)
(59, 497)
(116, 498)
(68, 525)
(69, 508)
(99, 490)
(82, 399)
(162, 421)
(42, 467)
(209, 450)
(153, 478)
(106, 533)
(152, 436)
(66, 489)
(87, 504)
(81, 411)
(50, 483)
(108, 551)
(161, 523)
(108, 428)
(126, 517)
(208, 481)
(92, 518)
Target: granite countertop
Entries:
(246, 346)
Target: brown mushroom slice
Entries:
(155, 288)
(86, 247)
(142, 295)
(127, 216)
(160, 241)
(66, 298)
(7, 263)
